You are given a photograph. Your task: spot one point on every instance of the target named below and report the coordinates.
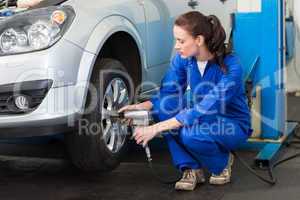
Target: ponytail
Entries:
(216, 43)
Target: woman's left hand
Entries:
(143, 135)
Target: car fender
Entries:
(102, 32)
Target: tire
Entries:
(92, 152)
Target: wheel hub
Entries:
(114, 132)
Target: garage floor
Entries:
(48, 178)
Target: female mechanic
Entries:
(216, 120)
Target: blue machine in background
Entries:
(259, 41)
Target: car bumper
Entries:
(59, 63)
(64, 100)
(57, 113)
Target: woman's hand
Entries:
(147, 105)
(143, 135)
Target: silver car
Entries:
(65, 65)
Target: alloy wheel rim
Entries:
(114, 132)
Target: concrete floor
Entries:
(49, 176)
(48, 179)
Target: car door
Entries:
(160, 16)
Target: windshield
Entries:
(8, 7)
(45, 3)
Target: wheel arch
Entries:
(108, 36)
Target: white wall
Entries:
(249, 5)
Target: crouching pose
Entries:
(215, 118)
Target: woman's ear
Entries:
(200, 40)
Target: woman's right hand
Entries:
(147, 105)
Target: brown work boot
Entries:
(189, 179)
(225, 176)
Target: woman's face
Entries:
(185, 44)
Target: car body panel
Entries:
(70, 61)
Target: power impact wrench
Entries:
(141, 118)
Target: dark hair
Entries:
(211, 29)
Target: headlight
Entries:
(34, 30)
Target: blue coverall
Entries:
(215, 115)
